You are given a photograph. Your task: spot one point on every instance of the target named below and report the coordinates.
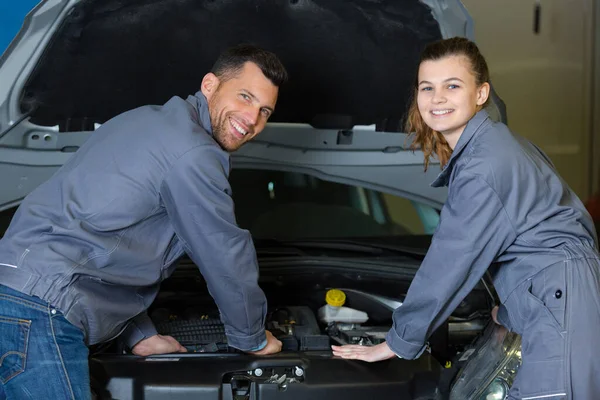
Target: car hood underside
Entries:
(111, 56)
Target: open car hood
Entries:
(76, 64)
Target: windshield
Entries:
(286, 205)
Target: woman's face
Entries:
(448, 95)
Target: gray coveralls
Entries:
(557, 313)
(508, 211)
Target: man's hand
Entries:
(273, 346)
(365, 353)
(158, 344)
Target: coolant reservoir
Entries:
(334, 310)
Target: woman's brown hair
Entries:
(429, 141)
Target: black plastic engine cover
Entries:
(233, 376)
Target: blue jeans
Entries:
(42, 355)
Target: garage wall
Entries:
(596, 103)
(545, 78)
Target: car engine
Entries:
(295, 326)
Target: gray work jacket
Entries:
(99, 236)
(506, 208)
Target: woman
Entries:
(507, 210)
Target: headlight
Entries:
(491, 367)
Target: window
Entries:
(285, 205)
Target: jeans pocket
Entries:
(13, 347)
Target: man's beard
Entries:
(220, 128)
(223, 137)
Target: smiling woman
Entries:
(447, 104)
(509, 214)
(447, 95)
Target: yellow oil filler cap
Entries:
(335, 297)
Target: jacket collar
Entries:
(201, 105)
(465, 138)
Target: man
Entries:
(85, 253)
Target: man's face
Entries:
(240, 106)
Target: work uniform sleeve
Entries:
(197, 198)
(139, 328)
(474, 229)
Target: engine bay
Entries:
(185, 310)
(296, 292)
(295, 326)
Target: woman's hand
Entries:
(364, 353)
(495, 315)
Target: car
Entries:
(331, 192)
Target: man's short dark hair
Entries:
(232, 60)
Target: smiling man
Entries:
(86, 251)
(239, 102)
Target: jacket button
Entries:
(558, 294)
